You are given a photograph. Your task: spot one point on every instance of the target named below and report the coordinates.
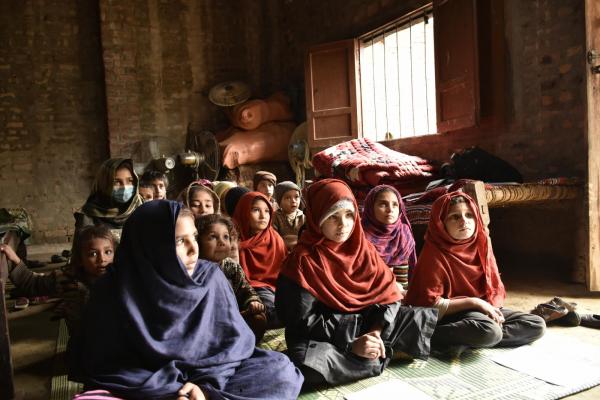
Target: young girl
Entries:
(114, 196)
(457, 273)
(262, 250)
(216, 234)
(200, 199)
(339, 301)
(386, 225)
(94, 248)
(289, 218)
(164, 324)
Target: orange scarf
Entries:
(448, 268)
(262, 254)
(346, 276)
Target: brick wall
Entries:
(52, 129)
(162, 57)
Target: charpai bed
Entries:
(544, 192)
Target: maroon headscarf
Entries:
(262, 254)
(346, 276)
(450, 268)
(394, 242)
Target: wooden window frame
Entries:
(487, 93)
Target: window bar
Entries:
(398, 81)
(425, 19)
(373, 85)
(412, 89)
(387, 127)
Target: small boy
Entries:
(146, 191)
(264, 182)
(289, 218)
(158, 181)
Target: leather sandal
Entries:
(557, 301)
(550, 312)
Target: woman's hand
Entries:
(489, 310)
(369, 345)
(10, 254)
(256, 307)
(192, 392)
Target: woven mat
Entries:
(472, 377)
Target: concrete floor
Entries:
(33, 334)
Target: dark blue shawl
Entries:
(150, 327)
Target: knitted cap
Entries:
(233, 197)
(264, 176)
(343, 204)
(284, 187)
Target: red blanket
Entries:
(364, 162)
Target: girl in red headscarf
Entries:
(457, 273)
(261, 248)
(339, 301)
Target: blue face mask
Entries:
(122, 194)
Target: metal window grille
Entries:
(397, 79)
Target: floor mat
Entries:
(62, 387)
(474, 376)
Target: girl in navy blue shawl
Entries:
(162, 324)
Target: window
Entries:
(417, 75)
(397, 79)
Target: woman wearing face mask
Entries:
(113, 198)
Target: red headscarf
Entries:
(346, 276)
(262, 254)
(450, 268)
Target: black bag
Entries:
(478, 164)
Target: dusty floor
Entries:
(33, 334)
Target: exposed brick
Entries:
(47, 161)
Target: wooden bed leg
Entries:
(476, 190)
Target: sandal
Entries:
(550, 312)
(21, 303)
(557, 301)
(572, 318)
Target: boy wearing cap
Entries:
(264, 182)
(289, 218)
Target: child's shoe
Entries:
(21, 303)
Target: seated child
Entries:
(261, 248)
(93, 251)
(164, 324)
(264, 182)
(457, 273)
(159, 182)
(339, 301)
(200, 199)
(146, 191)
(113, 198)
(289, 218)
(215, 235)
(386, 225)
